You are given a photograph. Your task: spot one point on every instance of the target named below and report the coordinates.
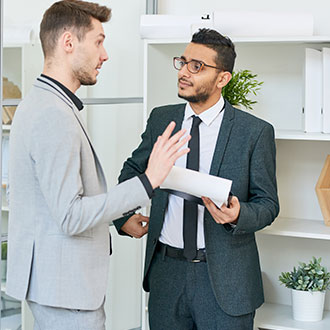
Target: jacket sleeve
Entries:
(262, 206)
(55, 149)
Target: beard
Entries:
(201, 95)
(84, 77)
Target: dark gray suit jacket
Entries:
(244, 153)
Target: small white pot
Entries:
(307, 306)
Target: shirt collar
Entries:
(207, 116)
(77, 102)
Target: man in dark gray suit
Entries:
(60, 208)
(202, 265)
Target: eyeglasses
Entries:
(193, 66)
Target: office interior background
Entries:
(117, 118)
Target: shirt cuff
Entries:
(147, 185)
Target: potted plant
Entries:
(309, 283)
(3, 261)
(241, 85)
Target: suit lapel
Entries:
(45, 83)
(178, 116)
(223, 137)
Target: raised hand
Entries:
(165, 152)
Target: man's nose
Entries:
(104, 55)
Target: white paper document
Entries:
(198, 184)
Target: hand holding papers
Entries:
(198, 184)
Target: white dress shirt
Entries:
(172, 232)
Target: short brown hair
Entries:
(69, 14)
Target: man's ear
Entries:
(67, 41)
(224, 78)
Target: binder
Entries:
(312, 102)
(326, 90)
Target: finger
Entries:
(208, 205)
(155, 146)
(168, 131)
(206, 200)
(177, 136)
(145, 219)
(234, 201)
(174, 148)
(175, 142)
(179, 154)
(144, 230)
(214, 210)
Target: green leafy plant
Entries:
(307, 277)
(3, 250)
(242, 84)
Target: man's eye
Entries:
(196, 65)
(181, 63)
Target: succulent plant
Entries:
(307, 277)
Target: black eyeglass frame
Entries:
(187, 62)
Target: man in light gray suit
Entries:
(60, 208)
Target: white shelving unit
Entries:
(299, 232)
(279, 317)
(21, 65)
(301, 228)
(281, 134)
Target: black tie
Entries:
(190, 209)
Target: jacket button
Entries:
(154, 241)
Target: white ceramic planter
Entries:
(307, 306)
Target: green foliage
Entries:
(242, 84)
(307, 277)
(3, 250)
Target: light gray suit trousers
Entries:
(53, 318)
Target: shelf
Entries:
(300, 135)
(248, 40)
(6, 127)
(279, 317)
(302, 228)
(5, 209)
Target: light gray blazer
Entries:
(60, 210)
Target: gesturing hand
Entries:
(165, 152)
